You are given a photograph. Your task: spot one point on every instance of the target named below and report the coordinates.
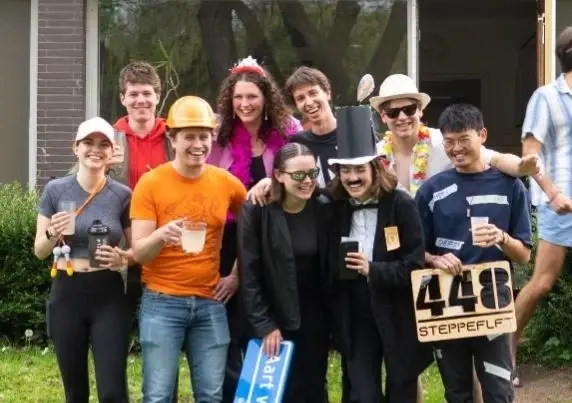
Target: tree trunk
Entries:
(257, 43)
(313, 48)
(388, 45)
(215, 20)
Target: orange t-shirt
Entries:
(163, 195)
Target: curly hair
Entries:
(274, 107)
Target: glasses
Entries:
(463, 142)
(299, 176)
(409, 110)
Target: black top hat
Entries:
(356, 139)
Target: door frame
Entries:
(33, 95)
(413, 36)
(546, 41)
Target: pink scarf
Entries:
(241, 151)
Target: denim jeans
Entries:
(166, 323)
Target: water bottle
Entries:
(97, 235)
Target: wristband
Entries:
(504, 239)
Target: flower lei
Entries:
(420, 157)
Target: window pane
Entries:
(194, 43)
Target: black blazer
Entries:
(389, 284)
(267, 268)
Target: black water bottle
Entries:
(97, 235)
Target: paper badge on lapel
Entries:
(391, 238)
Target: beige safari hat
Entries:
(398, 86)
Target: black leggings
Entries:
(84, 309)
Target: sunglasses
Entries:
(299, 176)
(393, 113)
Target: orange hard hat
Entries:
(191, 111)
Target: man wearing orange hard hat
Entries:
(178, 212)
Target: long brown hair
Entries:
(276, 113)
(287, 152)
(383, 181)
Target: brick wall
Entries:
(61, 84)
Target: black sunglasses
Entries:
(393, 113)
(299, 176)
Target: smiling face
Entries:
(298, 176)
(464, 149)
(312, 102)
(141, 101)
(357, 180)
(192, 146)
(402, 117)
(94, 151)
(247, 102)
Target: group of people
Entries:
(231, 225)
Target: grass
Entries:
(30, 375)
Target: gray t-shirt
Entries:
(110, 205)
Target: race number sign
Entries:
(476, 303)
(263, 378)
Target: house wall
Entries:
(498, 50)
(14, 82)
(61, 84)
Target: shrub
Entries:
(548, 335)
(24, 279)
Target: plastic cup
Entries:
(193, 236)
(476, 223)
(119, 148)
(68, 206)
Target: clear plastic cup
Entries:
(68, 206)
(193, 236)
(476, 223)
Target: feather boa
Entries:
(241, 151)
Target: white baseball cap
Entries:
(95, 125)
(398, 86)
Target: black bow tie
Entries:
(368, 204)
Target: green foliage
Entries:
(176, 37)
(24, 280)
(548, 336)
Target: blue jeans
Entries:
(166, 323)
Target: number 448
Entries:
(493, 285)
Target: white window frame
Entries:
(91, 58)
(413, 40)
(92, 51)
(33, 102)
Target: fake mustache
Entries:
(352, 183)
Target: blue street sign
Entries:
(263, 378)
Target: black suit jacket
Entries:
(389, 284)
(267, 268)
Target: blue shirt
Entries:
(549, 119)
(448, 200)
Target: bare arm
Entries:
(515, 250)
(43, 246)
(515, 166)
(531, 146)
(128, 254)
(147, 240)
